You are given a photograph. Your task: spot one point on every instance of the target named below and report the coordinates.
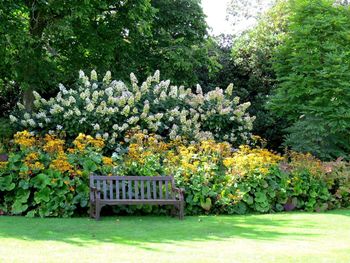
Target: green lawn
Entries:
(285, 237)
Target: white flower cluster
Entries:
(109, 109)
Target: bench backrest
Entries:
(133, 187)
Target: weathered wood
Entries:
(129, 189)
(133, 178)
(111, 189)
(154, 190)
(123, 190)
(160, 189)
(166, 190)
(136, 190)
(117, 189)
(148, 190)
(133, 192)
(104, 190)
(142, 189)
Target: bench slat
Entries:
(129, 189)
(148, 190)
(117, 189)
(142, 190)
(110, 189)
(166, 190)
(123, 190)
(99, 188)
(160, 189)
(104, 190)
(136, 190)
(154, 190)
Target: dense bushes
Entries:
(109, 109)
(313, 73)
(46, 177)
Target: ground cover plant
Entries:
(48, 177)
(283, 237)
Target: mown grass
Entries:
(284, 237)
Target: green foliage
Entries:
(111, 109)
(313, 72)
(44, 42)
(44, 179)
(6, 134)
(254, 75)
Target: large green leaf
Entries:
(6, 183)
(18, 207)
(40, 181)
(42, 196)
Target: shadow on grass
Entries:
(146, 230)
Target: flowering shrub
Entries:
(47, 177)
(109, 109)
(44, 177)
(219, 179)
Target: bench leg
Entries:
(92, 212)
(181, 210)
(173, 211)
(97, 211)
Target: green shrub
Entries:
(110, 109)
(313, 73)
(43, 177)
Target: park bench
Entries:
(134, 190)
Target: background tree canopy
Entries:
(292, 64)
(47, 42)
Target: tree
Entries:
(178, 43)
(313, 73)
(243, 14)
(248, 64)
(47, 42)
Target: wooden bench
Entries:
(134, 190)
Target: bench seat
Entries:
(134, 190)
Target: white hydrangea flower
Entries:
(107, 77)
(81, 74)
(36, 95)
(20, 106)
(156, 76)
(93, 75)
(90, 107)
(26, 116)
(133, 78)
(13, 119)
(105, 136)
(229, 89)
(126, 110)
(199, 89)
(31, 123)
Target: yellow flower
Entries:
(53, 145)
(31, 161)
(3, 165)
(107, 161)
(24, 139)
(61, 164)
(84, 141)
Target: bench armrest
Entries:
(94, 189)
(180, 191)
(94, 193)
